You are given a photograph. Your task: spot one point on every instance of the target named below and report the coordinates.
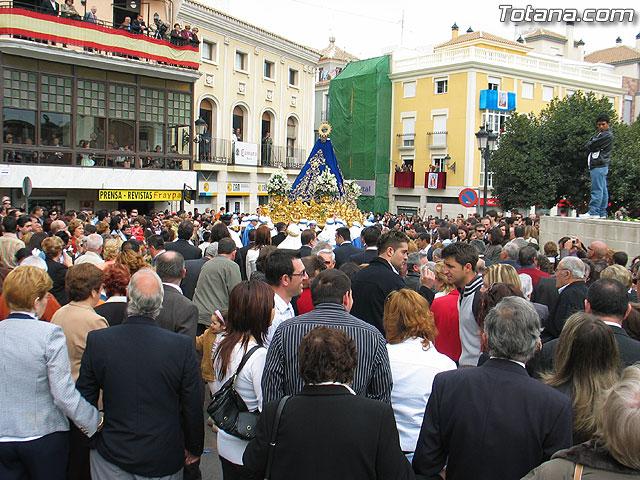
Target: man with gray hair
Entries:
(572, 288)
(509, 255)
(139, 365)
(178, 314)
(94, 249)
(497, 407)
(193, 269)
(415, 260)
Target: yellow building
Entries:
(253, 83)
(441, 99)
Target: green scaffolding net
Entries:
(360, 117)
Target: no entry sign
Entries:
(468, 197)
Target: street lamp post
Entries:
(487, 143)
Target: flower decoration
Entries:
(325, 185)
(278, 184)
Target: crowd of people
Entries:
(134, 24)
(398, 348)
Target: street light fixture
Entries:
(448, 164)
(487, 143)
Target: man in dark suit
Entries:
(372, 284)
(192, 271)
(178, 314)
(357, 436)
(277, 239)
(241, 254)
(50, 7)
(570, 281)
(183, 244)
(140, 364)
(494, 421)
(607, 299)
(307, 238)
(546, 293)
(370, 236)
(345, 248)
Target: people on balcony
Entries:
(50, 7)
(67, 10)
(91, 16)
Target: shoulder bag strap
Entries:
(577, 473)
(274, 435)
(244, 361)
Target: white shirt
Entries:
(283, 311)
(413, 370)
(248, 385)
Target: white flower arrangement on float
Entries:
(352, 192)
(278, 184)
(325, 185)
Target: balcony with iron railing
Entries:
(405, 141)
(437, 139)
(29, 28)
(274, 156)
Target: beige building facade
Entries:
(256, 95)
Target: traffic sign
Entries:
(439, 208)
(27, 187)
(468, 197)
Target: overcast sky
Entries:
(366, 28)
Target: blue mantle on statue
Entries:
(322, 158)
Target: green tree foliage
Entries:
(624, 171)
(542, 160)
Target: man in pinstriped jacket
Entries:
(332, 301)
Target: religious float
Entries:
(319, 192)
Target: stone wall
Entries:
(619, 235)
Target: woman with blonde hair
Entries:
(110, 251)
(76, 230)
(38, 393)
(132, 260)
(614, 452)
(531, 234)
(586, 363)
(503, 273)
(445, 314)
(414, 360)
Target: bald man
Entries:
(597, 253)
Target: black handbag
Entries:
(229, 412)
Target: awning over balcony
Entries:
(25, 23)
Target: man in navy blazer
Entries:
(182, 244)
(372, 284)
(153, 421)
(346, 249)
(494, 421)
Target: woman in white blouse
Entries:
(263, 238)
(414, 360)
(249, 316)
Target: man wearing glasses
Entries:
(284, 271)
(481, 232)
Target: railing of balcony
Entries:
(89, 158)
(218, 151)
(101, 38)
(405, 140)
(296, 157)
(437, 139)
